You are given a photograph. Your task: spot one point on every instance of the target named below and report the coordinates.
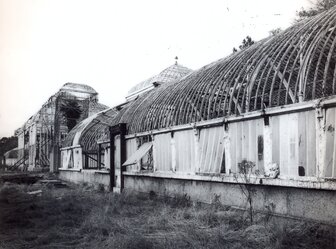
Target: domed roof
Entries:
(76, 87)
(169, 74)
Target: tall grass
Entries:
(79, 217)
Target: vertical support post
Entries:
(99, 156)
(40, 142)
(122, 128)
(115, 130)
(112, 169)
(56, 138)
(86, 161)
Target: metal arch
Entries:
(277, 67)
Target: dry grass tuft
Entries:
(80, 217)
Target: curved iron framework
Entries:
(297, 65)
(294, 66)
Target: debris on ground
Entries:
(37, 192)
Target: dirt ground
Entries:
(78, 216)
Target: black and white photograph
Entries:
(168, 124)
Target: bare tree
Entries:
(246, 178)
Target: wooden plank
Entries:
(302, 143)
(191, 150)
(227, 149)
(311, 143)
(196, 151)
(216, 156)
(293, 145)
(245, 140)
(219, 149)
(276, 141)
(233, 146)
(202, 149)
(268, 131)
(329, 142)
(284, 144)
(252, 149)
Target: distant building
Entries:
(40, 136)
(10, 157)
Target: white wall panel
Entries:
(184, 142)
(162, 152)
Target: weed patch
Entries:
(81, 217)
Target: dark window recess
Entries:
(146, 161)
(302, 171)
(260, 147)
(226, 126)
(222, 170)
(71, 111)
(144, 139)
(266, 120)
(26, 137)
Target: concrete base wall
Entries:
(318, 205)
(91, 177)
(310, 204)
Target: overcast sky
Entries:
(113, 45)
